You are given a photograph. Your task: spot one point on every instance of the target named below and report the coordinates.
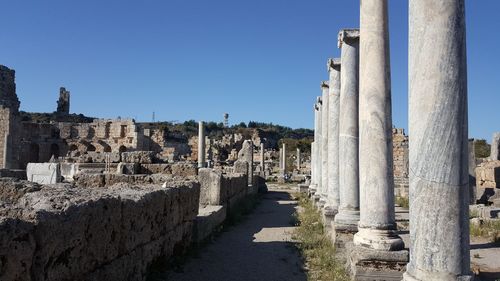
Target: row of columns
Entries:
(352, 161)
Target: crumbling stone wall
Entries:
(57, 233)
(401, 162)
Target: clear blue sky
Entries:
(259, 60)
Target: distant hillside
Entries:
(299, 137)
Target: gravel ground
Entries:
(258, 248)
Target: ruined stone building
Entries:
(27, 139)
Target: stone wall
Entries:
(401, 160)
(217, 188)
(59, 233)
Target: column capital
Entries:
(333, 63)
(347, 36)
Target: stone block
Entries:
(44, 173)
(209, 219)
(373, 265)
(488, 175)
(142, 157)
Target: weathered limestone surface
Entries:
(44, 173)
(246, 155)
(145, 157)
(175, 169)
(324, 143)
(348, 217)
(64, 101)
(401, 162)
(334, 69)
(488, 175)
(439, 194)
(56, 233)
(377, 226)
(218, 188)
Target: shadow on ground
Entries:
(258, 248)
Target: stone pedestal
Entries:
(333, 198)
(372, 265)
(439, 221)
(348, 217)
(201, 145)
(377, 226)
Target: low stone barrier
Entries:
(221, 189)
(59, 233)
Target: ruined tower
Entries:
(8, 97)
(63, 102)
(9, 112)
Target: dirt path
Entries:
(258, 248)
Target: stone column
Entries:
(284, 158)
(495, 147)
(348, 217)
(324, 143)
(377, 226)
(333, 198)
(439, 218)
(312, 186)
(318, 141)
(262, 160)
(281, 161)
(201, 145)
(298, 159)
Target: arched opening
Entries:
(54, 150)
(73, 147)
(122, 149)
(34, 153)
(90, 148)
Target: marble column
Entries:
(312, 186)
(495, 147)
(284, 158)
(298, 159)
(324, 143)
(377, 227)
(438, 132)
(318, 142)
(333, 199)
(262, 160)
(201, 145)
(348, 217)
(281, 161)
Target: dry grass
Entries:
(315, 246)
(487, 229)
(403, 202)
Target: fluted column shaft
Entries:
(439, 221)
(348, 217)
(377, 226)
(324, 143)
(333, 200)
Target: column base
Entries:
(378, 239)
(322, 201)
(435, 276)
(346, 221)
(328, 215)
(375, 265)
